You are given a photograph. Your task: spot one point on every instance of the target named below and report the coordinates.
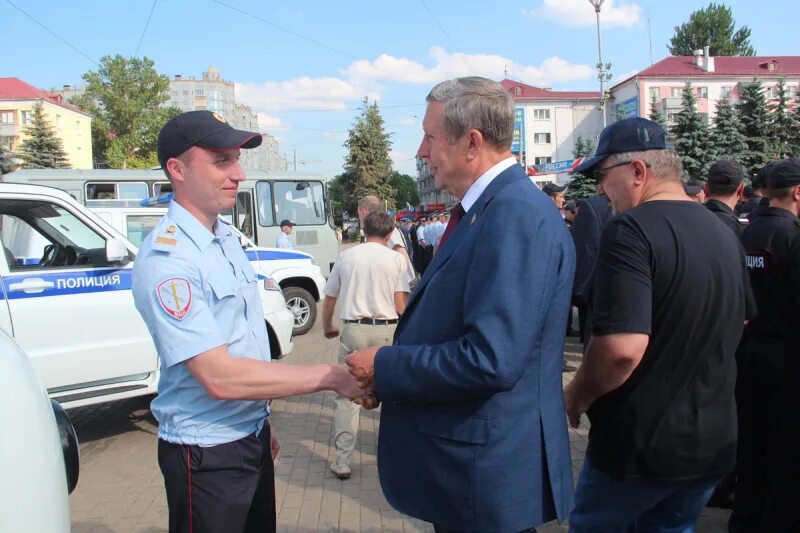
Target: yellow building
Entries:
(73, 126)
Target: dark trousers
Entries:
(440, 529)
(768, 473)
(225, 488)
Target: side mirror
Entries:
(116, 251)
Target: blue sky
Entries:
(305, 66)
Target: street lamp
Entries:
(603, 69)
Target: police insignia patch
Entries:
(175, 296)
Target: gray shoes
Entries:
(340, 471)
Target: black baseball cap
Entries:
(204, 129)
(726, 172)
(692, 187)
(627, 135)
(286, 222)
(551, 189)
(784, 173)
(759, 181)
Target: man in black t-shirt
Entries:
(724, 189)
(769, 456)
(659, 372)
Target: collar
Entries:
(193, 228)
(476, 189)
(718, 205)
(769, 211)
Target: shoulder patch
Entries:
(175, 296)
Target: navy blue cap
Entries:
(204, 129)
(627, 135)
(784, 173)
(692, 187)
(551, 189)
(759, 181)
(726, 172)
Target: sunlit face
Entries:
(620, 184)
(558, 199)
(209, 179)
(446, 161)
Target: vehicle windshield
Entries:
(302, 202)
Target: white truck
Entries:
(297, 273)
(65, 298)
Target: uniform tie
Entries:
(455, 216)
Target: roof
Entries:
(16, 89)
(529, 92)
(724, 66)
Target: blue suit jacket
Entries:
(473, 433)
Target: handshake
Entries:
(357, 381)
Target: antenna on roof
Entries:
(505, 72)
(650, 38)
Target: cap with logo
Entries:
(286, 222)
(551, 189)
(634, 134)
(204, 129)
(692, 187)
(784, 173)
(726, 172)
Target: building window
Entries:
(7, 117)
(26, 117)
(675, 92)
(173, 93)
(541, 114)
(791, 91)
(542, 160)
(58, 122)
(655, 93)
(541, 138)
(198, 92)
(517, 91)
(671, 116)
(702, 92)
(185, 93)
(725, 92)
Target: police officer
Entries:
(724, 189)
(757, 196)
(198, 295)
(769, 420)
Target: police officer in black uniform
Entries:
(750, 208)
(769, 418)
(724, 188)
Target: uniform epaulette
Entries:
(165, 241)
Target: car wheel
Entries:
(304, 308)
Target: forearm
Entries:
(605, 368)
(328, 306)
(400, 300)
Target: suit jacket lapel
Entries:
(509, 175)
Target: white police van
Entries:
(65, 280)
(39, 458)
(297, 273)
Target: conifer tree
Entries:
(656, 115)
(692, 137)
(781, 124)
(367, 166)
(795, 116)
(42, 148)
(754, 124)
(728, 141)
(581, 186)
(7, 163)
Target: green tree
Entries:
(7, 163)
(656, 115)
(795, 144)
(367, 165)
(337, 196)
(692, 137)
(581, 186)
(728, 141)
(42, 148)
(781, 124)
(407, 192)
(754, 124)
(713, 27)
(125, 98)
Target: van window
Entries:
(244, 213)
(116, 191)
(264, 199)
(161, 187)
(302, 202)
(38, 234)
(139, 226)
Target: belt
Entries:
(371, 321)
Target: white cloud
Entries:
(401, 156)
(301, 93)
(447, 65)
(408, 121)
(268, 122)
(335, 135)
(578, 13)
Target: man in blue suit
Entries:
(473, 434)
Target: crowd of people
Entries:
(455, 327)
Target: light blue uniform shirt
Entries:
(283, 241)
(196, 290)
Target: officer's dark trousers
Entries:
(220, 489)
(768, 480)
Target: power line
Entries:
(455, 48)
(146, 25)
(51, 32)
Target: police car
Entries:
(39, 458)
(65, 280)
(297, 273)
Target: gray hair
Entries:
(478, 103)
(665, 164)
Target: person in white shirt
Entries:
(372, 204)
(283, 240)
(371, 281)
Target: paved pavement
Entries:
(121, 490)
